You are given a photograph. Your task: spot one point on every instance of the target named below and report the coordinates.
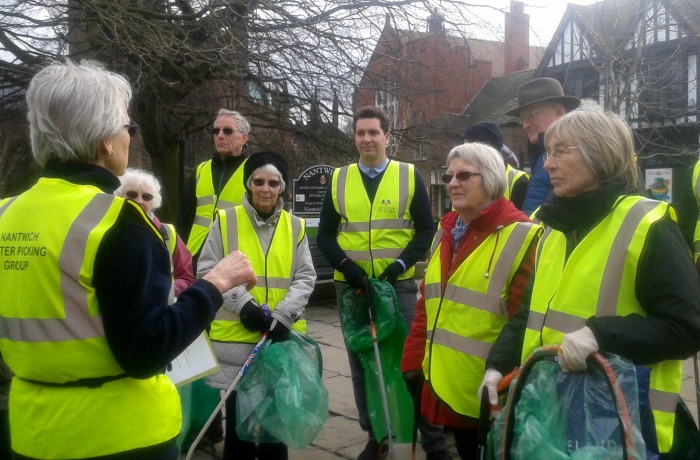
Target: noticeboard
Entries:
(310, 189)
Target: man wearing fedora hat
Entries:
(540, 102)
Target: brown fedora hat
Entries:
(541, 90)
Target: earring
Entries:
(111, 154)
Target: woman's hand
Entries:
(231, 271)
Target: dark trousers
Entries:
(237, 449)
(467, 442)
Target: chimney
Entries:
(436, 23)
(517, 34)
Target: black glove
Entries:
(414, 382)
(252, 317)
(278, 331)
(354, 275)
(392, 272)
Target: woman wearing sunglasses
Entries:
(143, 188)
(481, 261)
(85, 323)
(276, 244)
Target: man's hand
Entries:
(575, 348)
(392, 272)
(231, 271)
(354, 275)
(253, 317)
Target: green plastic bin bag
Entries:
(198, 401)
(282, 397)
(552, 415)
(391, 334)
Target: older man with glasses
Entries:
(540, 102)
(218, 182)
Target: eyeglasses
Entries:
(131, 128)
(461, 176)
(271, 183)
(557, 153)
(529, 116)
(227, 131)
(133, 195)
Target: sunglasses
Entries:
(132, 195)
(131, 128)
(461, 176)
(529, 116)
(227, 131)
(271, 183)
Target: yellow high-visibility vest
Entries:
(599, 279)
(208, 203)
(273, 269)
(464, 321)
(52, 332)
(512, 176)
(374, 234)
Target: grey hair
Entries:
(143, 180)
(609, 153)
(490, 164)
(72, 108)
(241, 122)
(270, 169)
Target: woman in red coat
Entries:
(481, 261)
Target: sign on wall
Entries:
(659, 184)
(310, 189)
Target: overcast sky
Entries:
(545, 16)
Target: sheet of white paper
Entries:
(195, 362)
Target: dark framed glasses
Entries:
(258, 182)
(461, 176)
(227, 131)
(133, 195)
(131, 128)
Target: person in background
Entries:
(217, 183)
(540, 102)
(370, 227)
(488, 132)
(613, 271)
(276, 244)
(143, 188)
(91, 332)
(482, 257)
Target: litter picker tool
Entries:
(228, 392)
(380, 375)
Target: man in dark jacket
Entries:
(217, 183)
(387, 204)
(540, 102)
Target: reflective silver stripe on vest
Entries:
(77, 324)
(436, 241)
(612, 274)
(462, 344)
(663, 400)
(202, 221)
(223, 204)
(232, 231)
(394, 224)
(535, 320)
(563, 322)
(205, 200)
(389, 253)
(7, 205)
(491, 301)
(432, 291)
(340, 187)
(277, 283)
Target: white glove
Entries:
(491, 380)
(575, 348)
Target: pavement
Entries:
(341, 436)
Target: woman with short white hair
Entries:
(143, 188)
